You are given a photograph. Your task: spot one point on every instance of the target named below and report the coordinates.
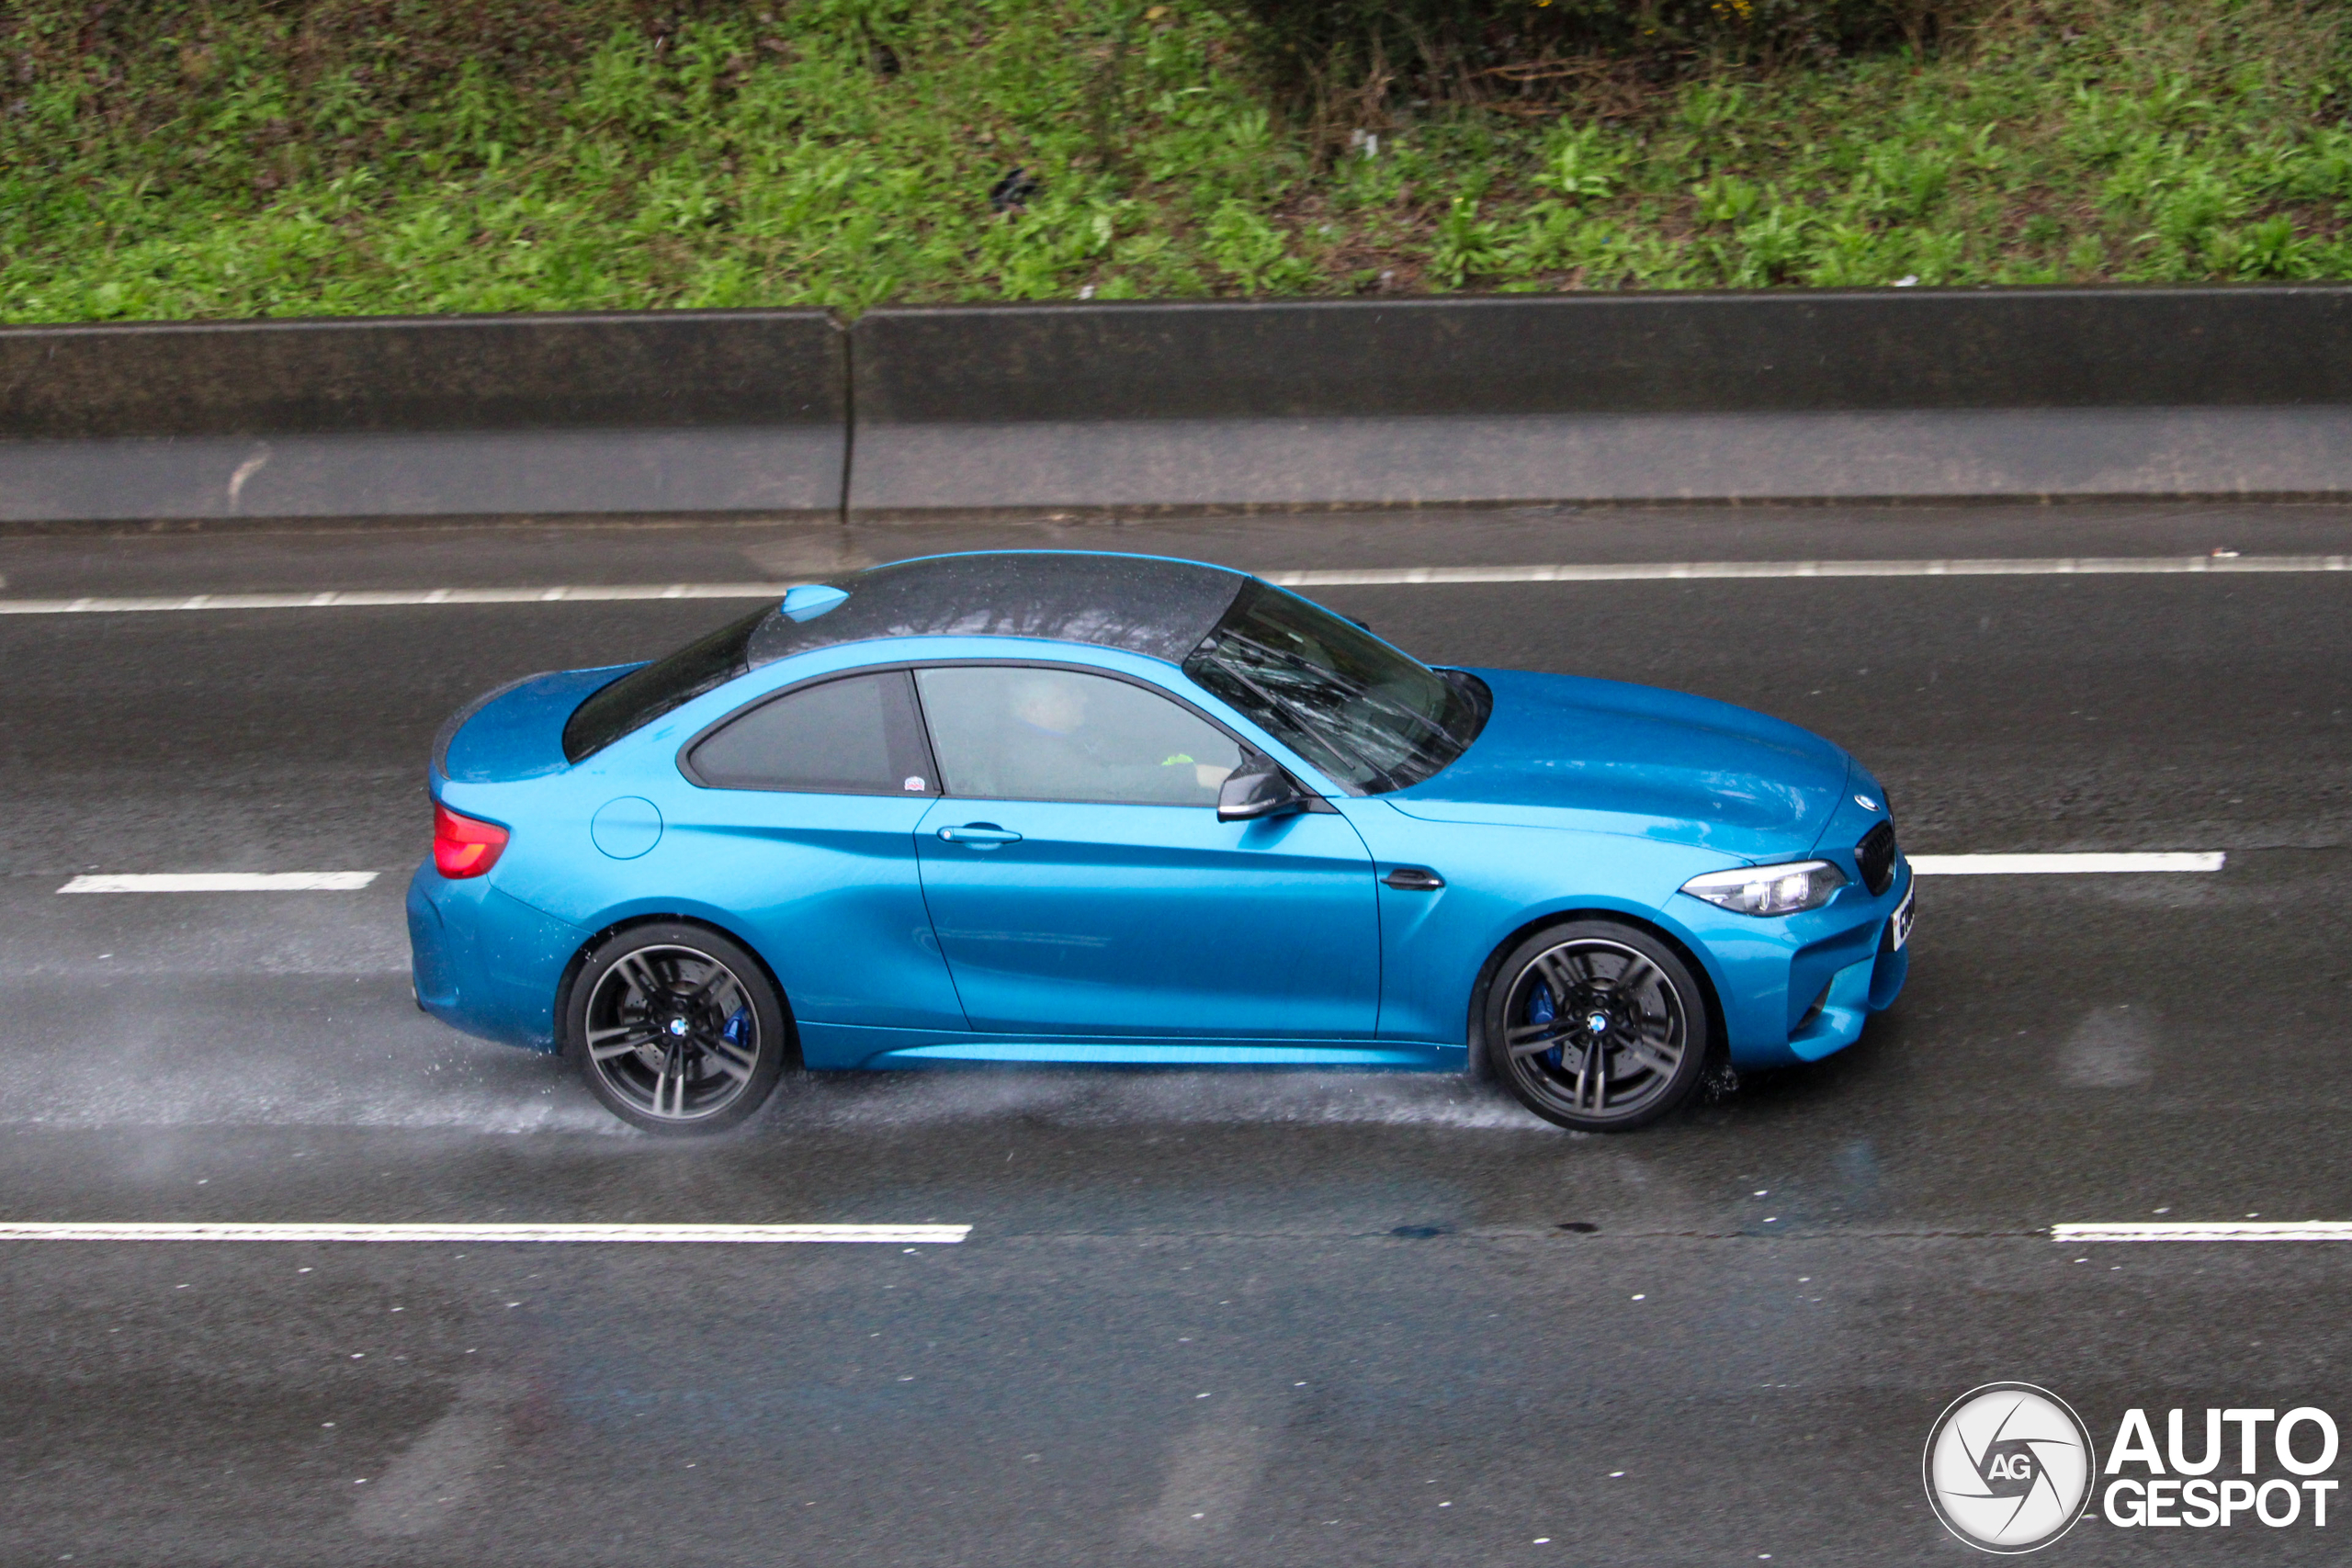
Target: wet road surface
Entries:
(1246, 1318)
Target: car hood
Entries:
(1605, 756)
(516, 731)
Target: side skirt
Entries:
(848, 1046)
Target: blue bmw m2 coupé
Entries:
(1055, 807)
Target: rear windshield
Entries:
(648, 691)
(1335, 694)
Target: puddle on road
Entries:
(1097, 1097)
(423, 1079)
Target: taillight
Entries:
(463, 847)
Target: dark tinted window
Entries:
(1010, 732)
(856, 736)
(650, 691)
(1335, 693)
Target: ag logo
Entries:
(2008, 1467)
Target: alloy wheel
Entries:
(1594, 1031)
(673, 1033)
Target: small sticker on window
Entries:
(915, 784)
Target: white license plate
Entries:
(1901, 928)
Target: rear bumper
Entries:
(485, 963)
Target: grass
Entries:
(258, 159)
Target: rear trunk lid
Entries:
(516, 731)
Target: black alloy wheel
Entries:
(1596, 1026)
(677, 1029)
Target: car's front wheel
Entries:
(1596, 1026)
(676, 1028)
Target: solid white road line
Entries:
(2071, 864)
(364, 598)
(1337, 577)
(1636, 571)
(223, 882)
(2215, 1230)
(940, 1235)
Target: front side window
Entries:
(855, 735)
(1006, 732)
(1335, 693)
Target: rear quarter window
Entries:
(858, 735)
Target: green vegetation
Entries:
(269, 157)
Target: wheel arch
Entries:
(1718, 1032)
(596, 939)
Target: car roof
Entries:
(1148, 604)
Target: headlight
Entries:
(1768, 889)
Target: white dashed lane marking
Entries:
(1685, 571)
(2067, 865)
(1331, 577)
(2209, 1230)
(223, 882)
(934, 1236)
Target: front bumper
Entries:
(1834, 1020)
(1797, 988)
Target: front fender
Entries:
(1499, 882)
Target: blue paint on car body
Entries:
(1140, 928)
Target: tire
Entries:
(677, 1029)
(1595, 1026)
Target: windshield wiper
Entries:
(1307, 718)
(1363, 693)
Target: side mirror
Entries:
(1265, 791)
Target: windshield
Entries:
(648, 691)
(1335, 694)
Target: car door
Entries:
(805, 811)
(1081, 882)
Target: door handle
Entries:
(1414, 879)
(980, 835)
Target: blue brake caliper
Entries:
(738, 1028)
(1541, 1010)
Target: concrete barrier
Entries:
(1167, 408)
(2233, 391)
(657, 412)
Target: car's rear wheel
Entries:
(677, 1029)
(1596, 1026)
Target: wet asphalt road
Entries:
(1249, 1319)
